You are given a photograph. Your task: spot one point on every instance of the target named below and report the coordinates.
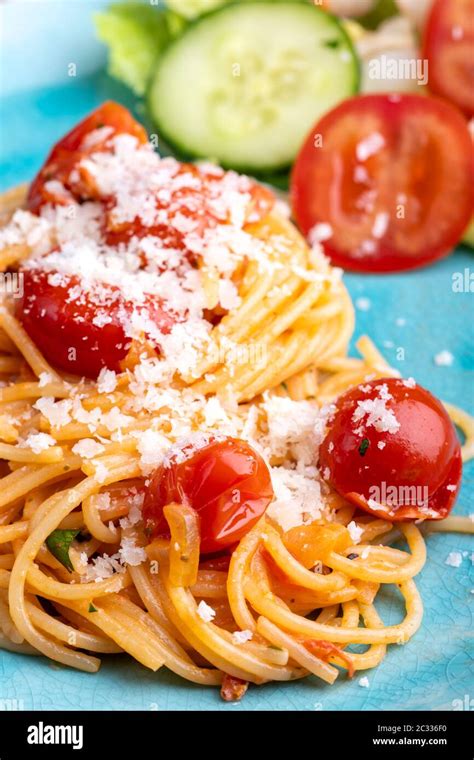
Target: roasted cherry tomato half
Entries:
(392, 450)
(80, 334)
(392, 176)
(225, 481)
(448, 45)
(54, 184)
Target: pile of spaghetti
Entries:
(164, 309)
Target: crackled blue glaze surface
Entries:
(437, 665)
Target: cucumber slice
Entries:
(244, 84)
(193, 8)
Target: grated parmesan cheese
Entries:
(205, 612)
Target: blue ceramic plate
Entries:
(411, 318)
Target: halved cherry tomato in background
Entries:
(419, 461)
(61, 181)
(73, 147)
(393, 176)
(448, 45)
(80, 334)
(225, 481)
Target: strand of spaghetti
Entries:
(176, 659)
(205, 637)
(24, 480)
(25, 345)
(451, 524)
(68, 634)
(146, 584)
(374, 358)
(10, 365)
(9, 646)
(376, 652)
(264, 602)
(210, 584)
(13, 531)
(380, 575)
(328, 614)
(25, 561)
(6, 623)
(53, 589)
(130, 640)
(13, 254)
(297, 651)
(6, 561)
(366, 591)
(13, 199)
(208, 641)
(30, 390)
(350, 615)
(94, 523)
(466, 422)
(235, 580)
(295, 571)
(16, 454)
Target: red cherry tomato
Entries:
(392, 175)
(196, 200)
(225, 481)
(448, 45)
(392, 450)
(112, 119)
(80, 335)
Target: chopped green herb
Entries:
(278, 649)
(364, 446)
(92, 608)
(59, 543)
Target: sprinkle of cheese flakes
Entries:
(241, 637)
(444, 359)
(87, 448)
(205, 612)
(285, 432)
(454, 559)
(355, 531)
(37, 442)
(374, 412)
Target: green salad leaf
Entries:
(135, 34)
(59, 543)
(383, 10)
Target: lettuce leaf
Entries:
(135, 34)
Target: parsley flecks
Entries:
(92, 608)
(364, 446)
(59, 543)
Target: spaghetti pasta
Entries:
(78, 453)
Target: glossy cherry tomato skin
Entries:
(226, 482)
(70, 150)
(392, 175)
(448, 44)
(64, 329)
(420, 460)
